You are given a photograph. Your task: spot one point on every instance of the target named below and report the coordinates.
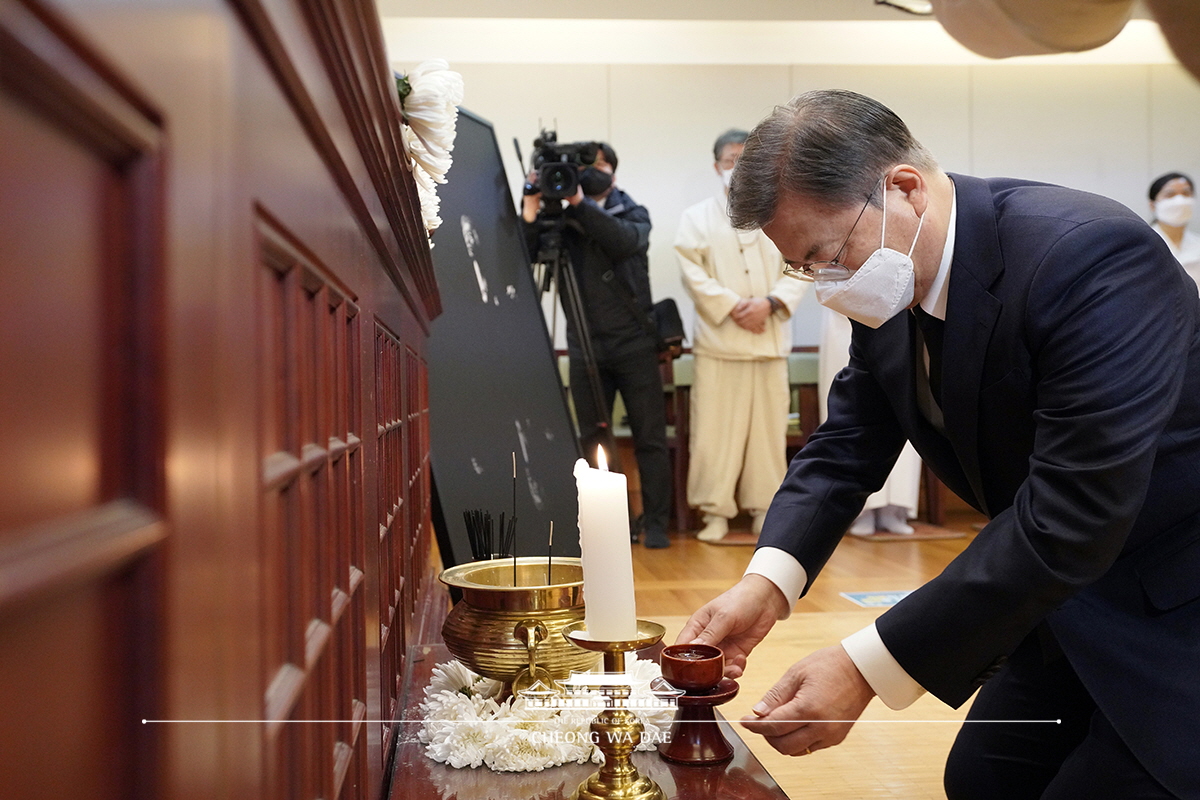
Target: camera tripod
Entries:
(559, 277)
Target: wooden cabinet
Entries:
(215, 545)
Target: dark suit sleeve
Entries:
(844, 461)
(1107, 328)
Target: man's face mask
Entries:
(595, 181)
(880, 288)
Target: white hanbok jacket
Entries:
(719, 266)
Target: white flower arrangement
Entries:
(465, 727)
(429, 99)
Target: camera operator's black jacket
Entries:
(607, 245)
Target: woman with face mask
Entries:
(1172, 197)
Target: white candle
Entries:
(604, 548)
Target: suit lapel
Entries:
(971, 315)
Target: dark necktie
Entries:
(931, 332)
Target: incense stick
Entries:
(550, 557)
(513, 523)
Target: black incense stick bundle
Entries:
(491, 541)
(480, 534)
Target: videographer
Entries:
(607, 236)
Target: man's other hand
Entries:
(736, 620)
(813, 705)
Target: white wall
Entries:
(1106, 128)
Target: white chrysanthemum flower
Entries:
(426, 188)
(431, 110)
(515, 750)
(656, 715)
(443, 712)
(429, 98)
(465, 726)
(530, 717)
(641, 672)
(466, 748)
(488, 688)
(453, 676)
(573, 730)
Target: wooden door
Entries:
(214, 499)
(81, 501)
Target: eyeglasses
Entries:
(831, 270)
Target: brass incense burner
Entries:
(514, 633)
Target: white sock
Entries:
(865, 524)
(715, 528)
(894, 519)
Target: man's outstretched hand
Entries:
(813, 705)
(736, 620)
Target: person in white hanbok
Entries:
(895, 503)
(1172, 199)
(742, 338)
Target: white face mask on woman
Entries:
(1175, 211)
(878, 290)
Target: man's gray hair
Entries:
(831, 145)
(731, 136)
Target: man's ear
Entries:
(909, 180)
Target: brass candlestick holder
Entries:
(617, 730)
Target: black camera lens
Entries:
(558, 178)
(558, 181)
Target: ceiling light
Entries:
(922, 8)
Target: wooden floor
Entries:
(888, 754)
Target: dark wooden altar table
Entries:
(418, 777)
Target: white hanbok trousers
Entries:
(738, 446)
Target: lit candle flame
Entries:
(601, 461)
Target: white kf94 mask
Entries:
(880, 288)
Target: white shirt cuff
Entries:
(885, 675)
(782, 569)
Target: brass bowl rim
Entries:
(455, 576)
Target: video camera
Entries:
(558, 165)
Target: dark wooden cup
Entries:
(693, 667)
(695, 737)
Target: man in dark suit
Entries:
(1041, 350)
